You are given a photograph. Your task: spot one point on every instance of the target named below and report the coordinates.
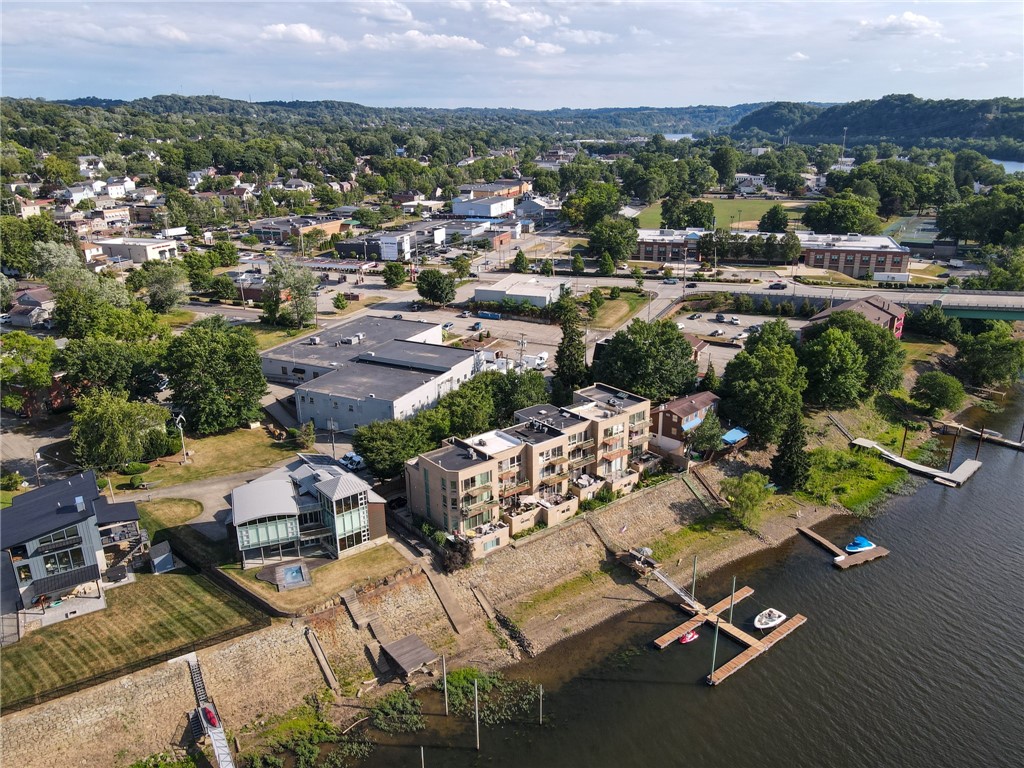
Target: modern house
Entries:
(310, 507)
(58, 542)
(674, 419)
(488, 487)
(370, 369)
(876, 309)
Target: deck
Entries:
(840, 559)
(736, 664)
(950, 427)
(707, 614)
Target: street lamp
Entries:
(180, 421)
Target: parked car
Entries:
(695, 316)
(653, 271)
(691, 285)
(477, 326)
(671, 281)
(719, 318)
(734, 321)
(397, 503)
(397, 316)
(463, 314)
(717, 332)
(777, 287)
(447, 326)
(5, 318)
(741, 336)
(352, 461)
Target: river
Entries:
(913, 660)
(1010, 166)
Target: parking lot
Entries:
(725, 347)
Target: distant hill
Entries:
(900, 118)
(619, 121)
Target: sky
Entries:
(532, 54)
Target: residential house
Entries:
(26, 208)
(299, 185)
(491, 486)
(58, 541)
(674, 419)
(32, 308)
(876, 309)
(90, 166)
(408, 196)
(76, 193)
(310, 507)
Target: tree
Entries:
(762, 388)
(339, 302)
(164, 284)
(578, 267)
(883, 354)
(725, 160)
(224, 254)
(436, 286)
(214, 370)
(699, 214)
(707, 436)
(26, 366)
(571, 356)
(652, 360)
(107, 363)
(300, 283)
(836, 372)
(774, 220)
(223, 287)
(513, 391)
(710, 382)
(791, 465)
(590, 204)
(840, 215)
(394, 274)
(745, 495)
(790, 248)
(110, 431)
(606, 265)
(520, 263)
(7, 286)
(48, 257)
(938, 391)
(386, 445)
(614, 236)
(462, 266)
(991, 357)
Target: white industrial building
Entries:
(371, 369)
(139, 249)
(539, 291)
(396, 247)
(486, 207)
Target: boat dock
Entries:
(956, 478)
(951, 427)
(841, 559)
(754, 646)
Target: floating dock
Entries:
(951, 427)
(841, 559)
(702, 614)
(956, 478)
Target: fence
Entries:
(257, 621)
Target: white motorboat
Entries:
(769, 618)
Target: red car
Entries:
(211, 718)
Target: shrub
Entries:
(457, 554)
(397, 712)
(137, 481)
(134, 468)
(11, 481)
(615, 292)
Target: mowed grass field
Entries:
(740, 210)
(154, 615)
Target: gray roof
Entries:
(409, 654)
(377, 329)
(263, 498)
(342, 486)
(416, 355)
(47, 509)
(552, 415)
(360, 381)
(602, 393)
(455, 457)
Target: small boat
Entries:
(859, 544)
(769, 618)
(689, 637)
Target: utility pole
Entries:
(180, 421)
(476, 712)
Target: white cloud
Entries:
(416, 40)
(302, 33)
(797, 56)
(585, 36)
(502, 10)
(172, 33)
(386, 10)
(544, 49)
(461, 5)
(907, 24)
(506, 52)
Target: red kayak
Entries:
(689, 637)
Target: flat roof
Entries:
(606, 395)
(416, 355)
(559, 418)
(492, 443)
(527, 284)
(409, 654)
(377, 329)
(455, 457)
(365, 380)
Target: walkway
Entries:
(956, 478)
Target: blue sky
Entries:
(499, 53)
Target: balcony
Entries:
(611, 438)
(635, 425)
(588, 443)
(476, 490)
(554, 479)
(507, 489)
(618, 453)
(560, 459)
(641, 437)
(581, 461)
(469, 504)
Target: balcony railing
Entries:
(633, 425)
(639, 438)
(581, 461)
(476, 490)
(560, 459)
(616, 454)
(469, 503)
(554, 479)
(517, 487)
(611, 438)
(581, 444)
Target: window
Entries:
(24, 574)
(444, 483)
(303, 398)
(19, 552)
(310, 399)
(284, 369)
(351, 408)
(444, 501)
(58, 536)
(60, 562)
(489, 545)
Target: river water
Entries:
(912, 660)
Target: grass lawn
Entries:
(747, 210)
(614, 312)
(166, 519)
(224, 454)
(923, 350)
(328, 580)
(268, 336)
(154, 615)
(177, 318)
(568, 589)
(693, 537)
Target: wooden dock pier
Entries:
(840, 558)
(754, 646)
(951, 427)
(953, 479)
